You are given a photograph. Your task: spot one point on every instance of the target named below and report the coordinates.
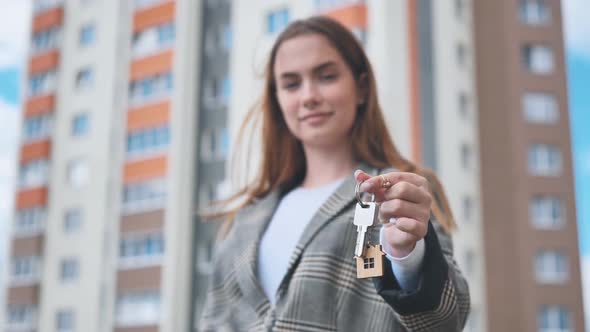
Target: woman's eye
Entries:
(290, 85)
(328, 77)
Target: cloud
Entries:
(577, 26)
(14, 31)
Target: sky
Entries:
(14, 35)
(14, 29)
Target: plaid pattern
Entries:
(320, 291)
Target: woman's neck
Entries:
(326, 165)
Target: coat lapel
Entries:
(253, 222)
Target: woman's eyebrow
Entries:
(325, 65)
(318, 68)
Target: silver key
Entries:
(364, 217)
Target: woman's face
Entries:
(316, 90)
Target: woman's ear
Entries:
(362, 88)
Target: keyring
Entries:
(357, 193)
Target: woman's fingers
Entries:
(397, 208)
(376, 182)
(410, 226)
(407, 191)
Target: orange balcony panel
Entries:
(351, 16)
(31, 197)
(39, 105)
(145, 169)
(30, 246)
(48, 19)
(44, 62)
(155, 64)
(155, 15)
(23, 295)
(36, 150)
(148, 116)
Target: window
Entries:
(469, 262)
(540, 107)
(205, 256)
(45, 40)
(69, 270)
(21, 316)
(467, 209)
(546, 212)
(153, 39)
(554, 318)
(142, 196)
(460, 9)
(276, 21)
(78, 173)
(65, 321)
(72, 220)
(150, 88)
(534, 12)
(464, 105)
(84, 79)
(137, 308)
(227, 38)
(34, 173)
(146, 141)
(214, 144)
(551, 267)
(42, 83)
(80, 124)
(25, 269)
(225, 90)
(369, 263)
(138, 249)
(461, 55)
(87, 35)
(30, 220)
(360, 34)
(538, 59)
(37, 127)
(544, 160)
(466, 156)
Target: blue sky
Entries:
(579, 97)
(14, 31)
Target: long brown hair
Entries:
(283, 160)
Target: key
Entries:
(364, 217)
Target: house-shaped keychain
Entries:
(371, 265)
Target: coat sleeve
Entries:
(221, 292)
(441, 301)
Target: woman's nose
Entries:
(310, 95)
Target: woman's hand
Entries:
(406, 198)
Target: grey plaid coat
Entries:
(320, 291)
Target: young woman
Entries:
(286, 263)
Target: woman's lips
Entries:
(316, 118)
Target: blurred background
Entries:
(117, 122)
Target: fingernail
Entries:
(392, 221)
(366, 186)
(356, 173)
